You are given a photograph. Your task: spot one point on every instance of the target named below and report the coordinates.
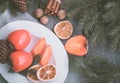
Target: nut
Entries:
(38, 13)
(44, 20)
(61, 14)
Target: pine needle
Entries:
(3, 5)
(95, 68)
(115, 31)
(71, 14)
(98, 30)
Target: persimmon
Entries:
(39, 47)
(76, 45)
(19, 39)
(46, 55)
(20, 60)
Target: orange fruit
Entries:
(63, 29)
(32, 73)
(46, 73)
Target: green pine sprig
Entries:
(99, 20)
(3, 5)
(6, 5)
(95, 69)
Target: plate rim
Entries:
(46, 29)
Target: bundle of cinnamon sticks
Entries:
(52, 7)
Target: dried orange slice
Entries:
(46, 73)
(32, 73)
(63, 29)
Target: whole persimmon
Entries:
(19, 38)
(20, 60)
(77, 45)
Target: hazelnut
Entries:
(38, 13)
(61, 14)
(44, 20)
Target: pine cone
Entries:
(20, 4)
(5, 50)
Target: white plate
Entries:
(38, 30)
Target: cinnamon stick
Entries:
(57, 7)
(47, 11)
(48, 8)
(54, 5)
(49, 4)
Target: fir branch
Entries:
(71, 13)
(115, 41)
(81, 6)
(98, 37)
(3, 5)
(89, 27)
(112, 10)
(115, 31)
(2, 2)
(95, 68)
(13, 10)
(89, 13)
(7, 5)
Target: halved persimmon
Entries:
(46, 55)
(39, 47)
(77, 45)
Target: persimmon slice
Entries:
(39, 47)
(63, 29)
(46, 55)
(46, 73)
